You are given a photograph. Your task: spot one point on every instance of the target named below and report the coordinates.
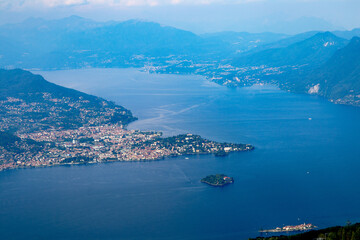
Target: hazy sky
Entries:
(289, 16)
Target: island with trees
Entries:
(217, 180)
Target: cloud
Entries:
(9, 4)
(17, 4)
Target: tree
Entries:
(353, 236)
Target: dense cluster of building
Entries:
(301, 227)
(224, 74)
(92, 144)
(42, 110)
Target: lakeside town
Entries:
(108, 143)
(301, 227)
(221, 73)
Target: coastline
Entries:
(119, 160)
(215, 185)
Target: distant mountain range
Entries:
(299, 62)
(76, 42)
(312, 51)
(240, 42)
(338, 79)
(348, 34)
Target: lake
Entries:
(305, 167)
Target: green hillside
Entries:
(29, 102)
(312, 51)
(337, 80)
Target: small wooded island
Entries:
(217, 180)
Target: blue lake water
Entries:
(301, 171)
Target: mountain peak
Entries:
(355, 41)
(325, 35)
(325, 39)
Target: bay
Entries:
(304, 168)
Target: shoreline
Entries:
(297, 228)
(215, 185)
(207, 78)
(118, 161)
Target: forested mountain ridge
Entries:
(312, 51)
(28, 101)
(338, 79)
(75, 42)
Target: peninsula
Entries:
(43, 124)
